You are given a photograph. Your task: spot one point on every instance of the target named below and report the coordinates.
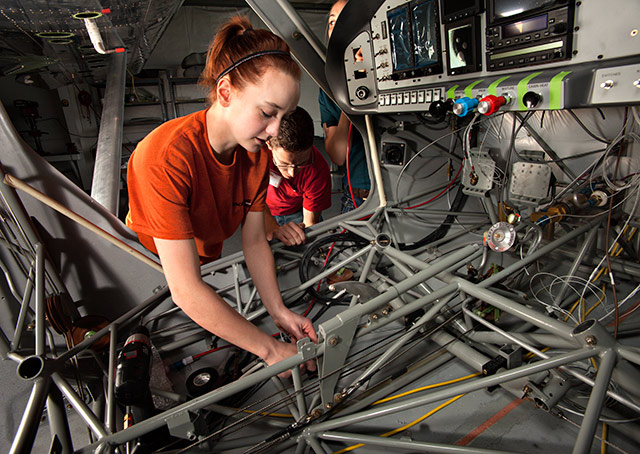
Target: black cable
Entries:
(585, 129)
(577, 156)
(442, 230)
(345, 240)
(524, 121)
(432, 124)
(435, 171)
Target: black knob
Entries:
(439, 109)
(531, 99)
(558, 28)
(362, 92)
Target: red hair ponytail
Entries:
(237, 39)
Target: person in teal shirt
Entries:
(336, 127)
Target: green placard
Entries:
(468, 88)
(522, 89)
(493, 88)
(555, 91)
(451, 93)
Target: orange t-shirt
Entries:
(179, 190)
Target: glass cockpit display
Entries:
(401, 53)
(425, 39)
(459, 51)
(503, 9)
(415, 39)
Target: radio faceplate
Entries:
(540, 38)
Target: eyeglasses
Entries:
(293, 166)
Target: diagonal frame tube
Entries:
(450, 391)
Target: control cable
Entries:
(249, 419)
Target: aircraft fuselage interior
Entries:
(482, 299)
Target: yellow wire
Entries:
(406, 426)
(596, 304)
(573, 308)
(603, 445)
(424, 388)
(133, 85)
(531, 354)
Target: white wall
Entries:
(192, 29)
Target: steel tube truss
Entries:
(319, 403)
(387, 335)
(318, 418)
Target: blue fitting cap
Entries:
(464, 106)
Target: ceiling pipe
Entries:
(89, 19)
(96, 38)
(105, 187)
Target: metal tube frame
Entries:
(438, 274)
(108, 437)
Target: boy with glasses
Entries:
(299, 181)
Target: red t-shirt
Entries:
(310, 188)
(179, 190)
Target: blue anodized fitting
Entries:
(464, 106)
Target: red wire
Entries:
(347, 162)
(630, 311)
(326, 259)
(441, 192)
(199, 355)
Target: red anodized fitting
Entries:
(490, 104)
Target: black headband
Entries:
(250, 57)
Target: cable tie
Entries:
(613, 282)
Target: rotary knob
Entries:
(490, 104)
(362, 92)
(464, 106)
(531, 99)
(558, 28)
(438, 109)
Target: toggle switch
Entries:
(607, 84)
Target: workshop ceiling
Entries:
(43, 41)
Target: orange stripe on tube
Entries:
(464, 441)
